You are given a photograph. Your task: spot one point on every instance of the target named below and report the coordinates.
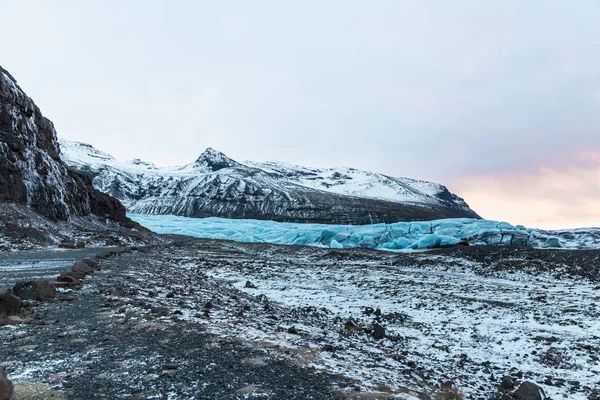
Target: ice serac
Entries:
(396, 236)
(217, 186)
(32, 173)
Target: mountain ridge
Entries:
(216, 185)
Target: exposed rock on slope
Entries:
(31, 171)
(217, 186)
(32, 174)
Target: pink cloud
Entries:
(548, 196)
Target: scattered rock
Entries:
(9, 303)
(249, 285)
(507, 384)
(161, 311)
(84, 268)
(35, 290)
(73, 274)
(170, 366)
(529, 391)
(350, 325)
(292, 330)
(378, 332)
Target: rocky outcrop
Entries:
(31, 170)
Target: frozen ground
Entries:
(396, 236)
(466, 315)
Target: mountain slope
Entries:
(215, 185)
(34, 179)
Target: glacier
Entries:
(396, 236)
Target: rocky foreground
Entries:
(215, 319)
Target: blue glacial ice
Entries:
(396, 236)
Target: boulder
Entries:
(507, 384)
(84, 268)
(92, 263)
(7, 390)
(72, 274)
(35, 290)
(529, 391)
(378, 332)
(9, 303)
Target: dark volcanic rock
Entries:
(507, 384)
(35, 290)
(6, 386)
(9, 304)
(31, 171)
(529, 391)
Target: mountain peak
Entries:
(214, 160)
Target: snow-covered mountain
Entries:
(217, 186)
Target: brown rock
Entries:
(378, 332)
(7, 390)
(9, 303)
(35, 290)
(82, 268)
(92, 263)
(72, 274)
(529, 391)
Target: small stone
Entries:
(328, 347)
(292, 330)
(529, 391)
(507, 384)
(378, 332)
(170, 366)
(249, 285)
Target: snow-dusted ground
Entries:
(443, 321)
(397, 236)
(468, 315)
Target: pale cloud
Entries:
(434, 90)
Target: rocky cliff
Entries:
(31, 170)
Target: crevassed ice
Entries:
(396, 236)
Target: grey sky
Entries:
(439, 90)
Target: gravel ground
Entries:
(99, 347)
(42, 264)
(222, 320)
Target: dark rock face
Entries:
(31, 171)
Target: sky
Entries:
(498, 100)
